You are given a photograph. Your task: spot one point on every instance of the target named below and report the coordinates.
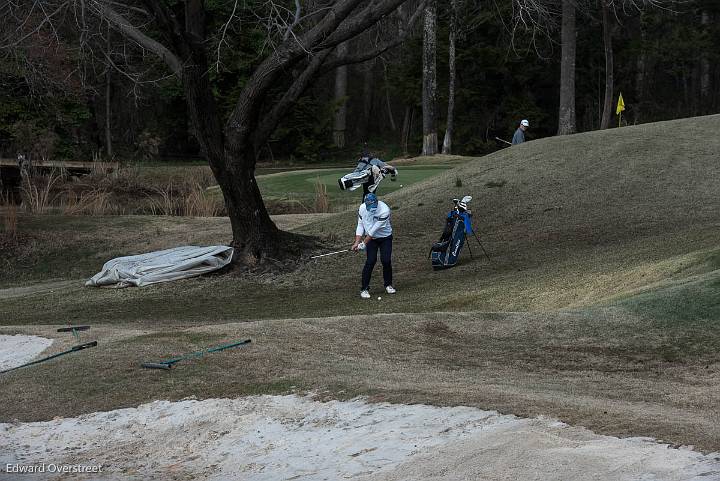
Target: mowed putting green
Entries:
(301, 185)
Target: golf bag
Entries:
(445, 252)
(368, 173)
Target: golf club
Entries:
(330, 254)
(501, 140)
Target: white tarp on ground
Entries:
(161, 266)
(273, 438)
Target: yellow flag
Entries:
(620, 105)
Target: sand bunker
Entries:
(17, 350)
(272, 438)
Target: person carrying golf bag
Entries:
(445, 253)
(374, 233)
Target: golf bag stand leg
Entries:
(469, 248)
(480, 244)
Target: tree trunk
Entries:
(388, 102)
(254, 234)
(108, 113)
(566, 118)
(230, 153)
(368, 84)
(108, 91)
(407, 121)
(447, 141)
(704, 68)
(640, 73)
(609, 79)
(429, 97)
(340, 122)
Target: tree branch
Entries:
(302, 82)
(47, 19)
(130, 31)
(335, 27)
(380, 49)
(360, 22)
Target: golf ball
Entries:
(379, 298)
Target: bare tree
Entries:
(368, 97)
(341, 100)
(447, 141)
(108, 103)
(705, 67)
(429, 92)
(302, 39)
(608, 25)
(566, 118)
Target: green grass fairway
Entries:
(300, 185)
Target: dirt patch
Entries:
(267, 438)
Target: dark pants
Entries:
(385, 246)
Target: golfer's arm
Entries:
(360, 229)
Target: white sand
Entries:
(272, 438)
(17, 350)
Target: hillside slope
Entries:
(612, 211)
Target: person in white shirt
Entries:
(374, 233)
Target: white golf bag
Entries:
(371, 176)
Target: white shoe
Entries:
(365, 294)
(390, 290)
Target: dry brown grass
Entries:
(163, 202)
(322, 201)
(196, 203)
(38, 191)
(127, 191)
(93, 202)
(188, 199)
(9, 212)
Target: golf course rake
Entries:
(170, 363)
(79, 347)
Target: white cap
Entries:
(525, 123)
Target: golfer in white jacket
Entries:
(374, 232)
